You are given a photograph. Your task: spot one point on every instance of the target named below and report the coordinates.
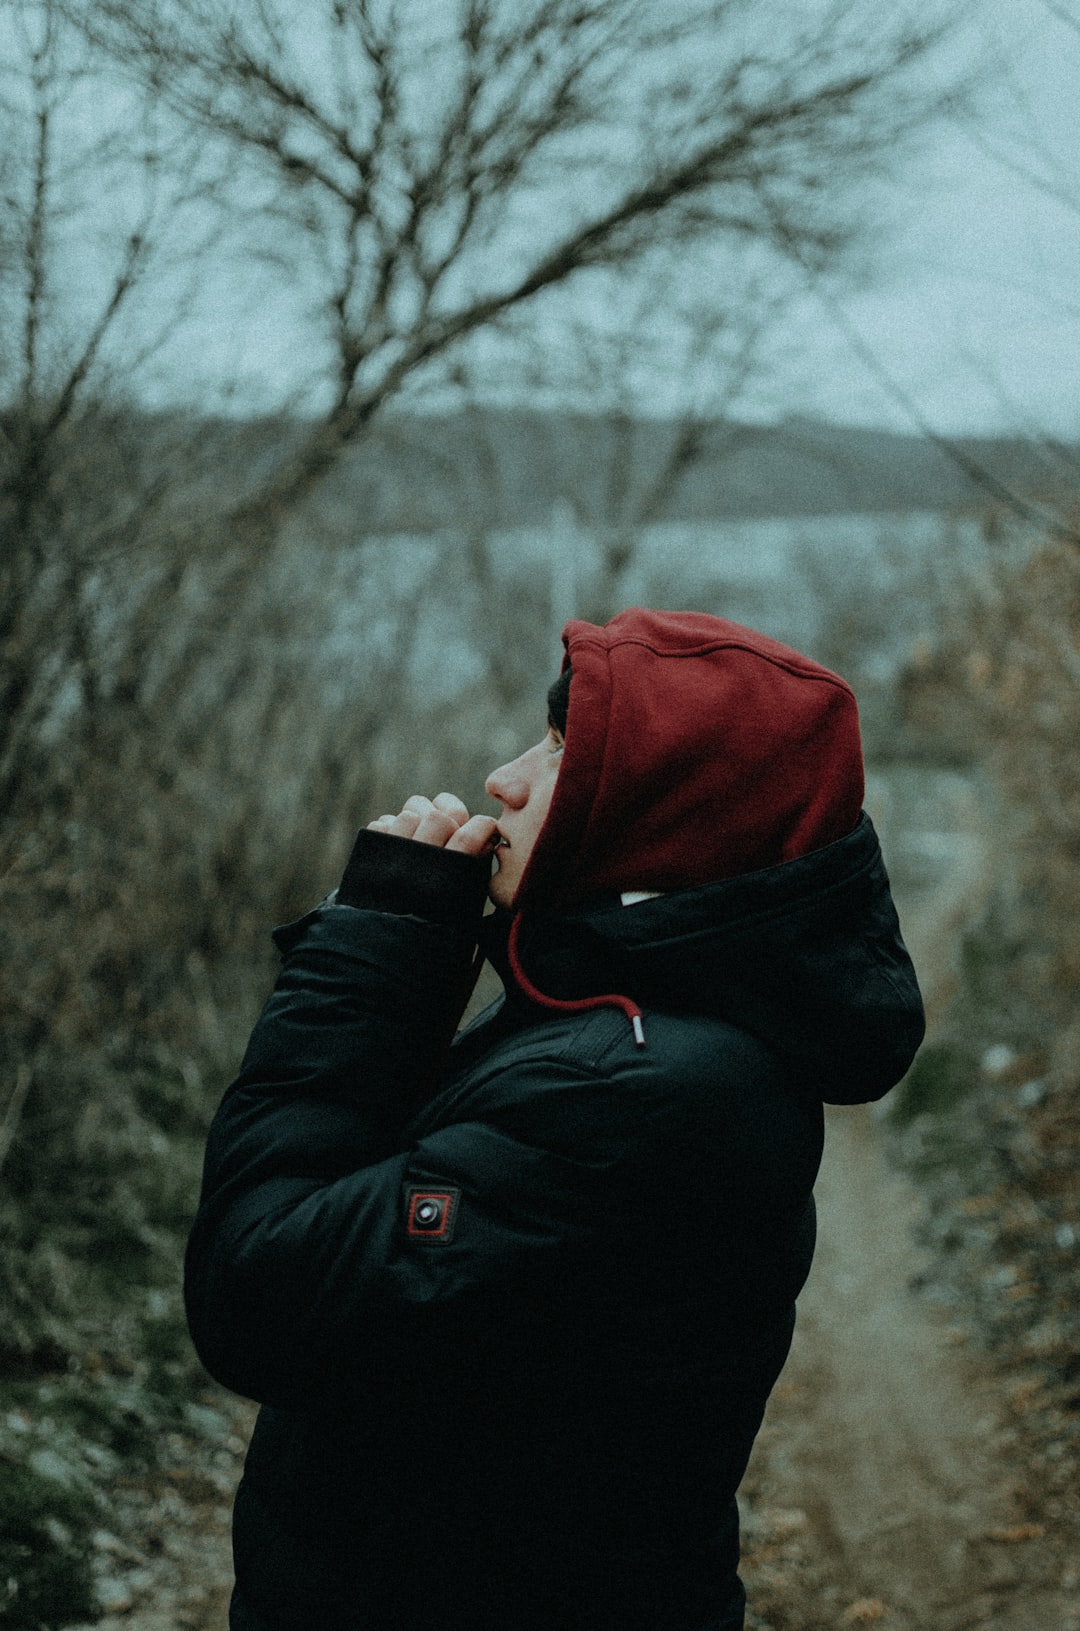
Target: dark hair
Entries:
(558, 700)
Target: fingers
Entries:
(475, 836)
(439, 818)
(452, 806)
(400, 826)
(432, 821)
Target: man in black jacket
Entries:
(514, 1300)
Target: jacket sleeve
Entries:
(301, 1258)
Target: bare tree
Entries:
(87, 223)
(422, 178)
(416, 179)
(431, 170)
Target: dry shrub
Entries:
(1002, 688)
(198, 776)
(1000, 1157)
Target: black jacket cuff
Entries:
(388, 874)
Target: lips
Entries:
(498, 844)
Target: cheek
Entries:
(543, 801)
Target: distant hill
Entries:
(509, 467)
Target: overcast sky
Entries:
(971, 321)
(975, 313)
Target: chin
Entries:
(502, 890)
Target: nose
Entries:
(509, 784)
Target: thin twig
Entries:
(17, 1098)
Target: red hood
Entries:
(696, 750)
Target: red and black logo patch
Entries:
(430, 1214)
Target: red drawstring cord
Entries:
(572, 1005)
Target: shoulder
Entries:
(702, 1076)
(692, 1074)
(702, 1103)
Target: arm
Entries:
(372, 985)
(300, 1264)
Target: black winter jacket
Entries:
(514, 1314)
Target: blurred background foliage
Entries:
(235, 624)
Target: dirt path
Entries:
(885, 1486)
(882, 1487)
(933, 829)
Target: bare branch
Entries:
(1062, 190)
(36, 244)
(123, 284)
(953, 450)
(1063, 15)
(734, 162)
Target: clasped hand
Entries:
(443, 821)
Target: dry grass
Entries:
(990, 1117)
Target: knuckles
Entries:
(443, 821)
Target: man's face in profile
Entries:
(524, 787)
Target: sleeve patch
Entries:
(430, 1214)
